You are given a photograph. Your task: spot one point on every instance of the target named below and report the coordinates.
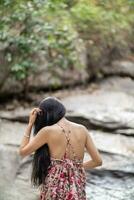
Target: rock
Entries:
(45, 79)
(114, 162)
(105, 108)
(113, 143)
(128, 132)
(118, 84)
(117, 162)
(110, 186)
(20, 187)
(113, 181)
(108, 112)
(122, 68)
(15, 176)
(19, 114)
(58, 77)
(11, 133)
(9, 163)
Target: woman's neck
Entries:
(63, 121)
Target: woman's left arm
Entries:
(27, 146)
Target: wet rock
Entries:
(112, 181)
(110, 186)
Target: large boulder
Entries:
(43, 78)
(15, 176)
(121, 68)
(107, 107)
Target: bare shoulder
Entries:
(45, 130)
(53, 127)
(49, 129)
(80, 127)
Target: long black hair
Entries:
(52, 110)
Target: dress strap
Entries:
(68, 141)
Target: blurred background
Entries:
(82, 52)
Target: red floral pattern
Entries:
(66, 180)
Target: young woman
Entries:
(59, 144)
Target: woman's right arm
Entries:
(96, 159)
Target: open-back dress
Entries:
(66, 178)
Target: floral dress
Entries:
(66, 178)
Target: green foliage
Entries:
(102, 15)
(30, 29)
(106, 27)
(33, 28)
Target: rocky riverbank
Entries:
(107, 109)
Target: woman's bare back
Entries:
(57, 140)
(66, 176)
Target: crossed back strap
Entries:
(68, 142)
